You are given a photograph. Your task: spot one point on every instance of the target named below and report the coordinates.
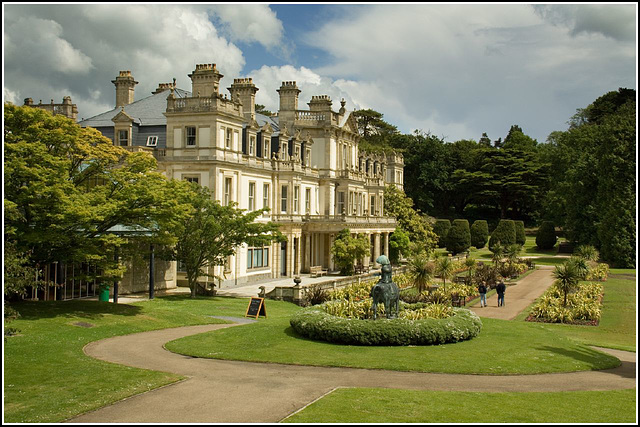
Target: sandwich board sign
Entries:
(256, 308)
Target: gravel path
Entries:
(220, 391)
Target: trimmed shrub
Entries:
(546, 237)
(521, 237)
(441, 228)
(504, 234)
(315, 323)
(479, 233)
(459, 237)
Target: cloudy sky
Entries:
(455, 70)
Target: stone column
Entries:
(298, 256)
(386, 244)
(367, 258)
(328, 251)
(376, 248)
(307, 252)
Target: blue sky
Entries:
(455, 70)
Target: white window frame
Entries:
(152, 141)
(192, 178)
(189, 138)
(284, 198)
(296, 199)
(266, 189)
(227, 139)
(252, 196)
(252, 145)
(228, 190)
(307, 201)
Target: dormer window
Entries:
(285, 151)
(252, 146)
(152, 141)
(123, 138)
(266, 152)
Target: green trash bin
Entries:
(104, 294)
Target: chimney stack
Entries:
(245, 91)
(205, 80)
(124, 88)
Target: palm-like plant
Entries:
(581, 266)
(470, 264)
(512, 252)
(421, 271)
(587, 252)
(567, 278)
(498, 253)
(445, 269)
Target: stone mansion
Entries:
(304, 165)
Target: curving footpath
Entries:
(221, 391)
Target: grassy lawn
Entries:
(47, 377)
(373, 405)
(511, 347)
(617, 328)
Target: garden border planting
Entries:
(313, 322)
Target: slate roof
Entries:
(145, 112)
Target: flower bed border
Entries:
(314, 323)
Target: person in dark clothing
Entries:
(500, 290)
(482, 290)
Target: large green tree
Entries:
(211, 232)
(65, 187)
(347, 249)
(418, 227)
(595, 164)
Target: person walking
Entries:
(500, 290)
(482, 290)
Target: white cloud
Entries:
(461, 70)
(250, 23)
(156, 43)
(268, 79)
(39, 43)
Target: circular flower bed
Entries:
(315, 323)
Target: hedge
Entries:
(441, 228)
(315, 323)
(505, 233)
(459, 237)
(546, 236)
(521, 237)
(479, 233)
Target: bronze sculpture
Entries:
(385, 291)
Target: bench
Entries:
(317, 270)
(458, 301)
(361, 269)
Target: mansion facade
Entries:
(302, 164)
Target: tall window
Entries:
(307, 157)
(285, 151)
(123, 138)
(227, 143)
(266, 153)
(252, 196)
(307, 201)
(297, 153)
(227, 191)
(296, 199)
(284, 197)
(191, 136)
(340, 202)
(265, 197)
(373, 205)
(252, 146)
